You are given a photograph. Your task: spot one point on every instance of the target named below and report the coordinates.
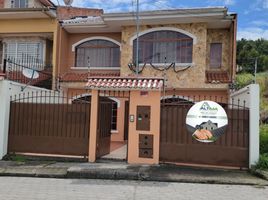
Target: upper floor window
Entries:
(98, 53)
(164, 46)
(25, 52)
(19, 3)
(215, 55)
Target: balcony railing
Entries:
(28, 70)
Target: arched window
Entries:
(98, 53)
(164, 46)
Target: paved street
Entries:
(14, 188)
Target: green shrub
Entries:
(243, 80)
(263, 162)
(264, 139)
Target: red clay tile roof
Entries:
(217, 77)
(83, 77)
(122, 83)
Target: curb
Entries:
(40, 173)
(145, 176)
(260, 173)
(135, 173)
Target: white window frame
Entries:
(17, 42)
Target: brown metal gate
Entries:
(104, 127)
(177, 145)
(48, 123)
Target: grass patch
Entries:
(16, 158)
(264, 139)
(244, 79)
(263, 162)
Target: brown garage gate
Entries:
(178, 146)
(49, 123)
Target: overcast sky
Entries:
(252, 14)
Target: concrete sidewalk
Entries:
(123, 171)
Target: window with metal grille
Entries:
(98, 53)
(164, 46)
(27, 53)
(114, 116)
(215, 55)
(19, 3)
(17, 50)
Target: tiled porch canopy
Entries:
(218, 77)
(121, 83)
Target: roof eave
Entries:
(196, 11)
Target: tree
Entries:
(248, 51)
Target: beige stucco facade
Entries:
(194, 77)
(220, 36)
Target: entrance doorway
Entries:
(119, 130)
(112, 125)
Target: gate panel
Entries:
(104, 128)
(49, 128)
(177, 145)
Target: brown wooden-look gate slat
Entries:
(52, 127)
(177, 145)
(104, 127)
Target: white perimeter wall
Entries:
(251, 94)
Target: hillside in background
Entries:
(248, 51)
(243, 79)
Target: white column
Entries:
(4, 117)
(254, 118)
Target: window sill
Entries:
(114, 131)
(167, 64)
(95, 68)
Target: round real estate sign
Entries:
(206, 121)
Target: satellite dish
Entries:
(68, 2)
(29, 73)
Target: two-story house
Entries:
(28, 34)
(194, 50)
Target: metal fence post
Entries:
(5, 66)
